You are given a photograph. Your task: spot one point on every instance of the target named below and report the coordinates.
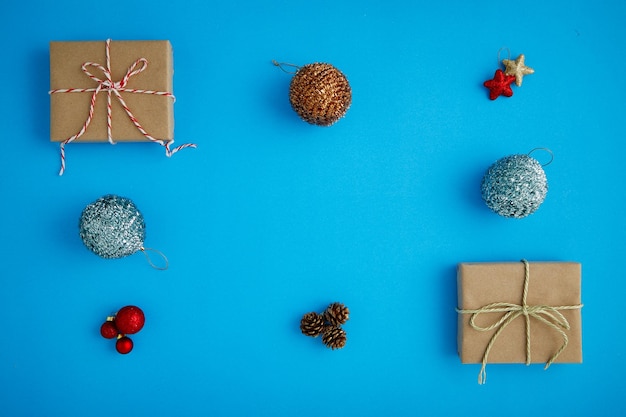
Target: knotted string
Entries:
(115, 87)
(549, 315)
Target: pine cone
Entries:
(334, 337)
(336, 314)
(312, 324)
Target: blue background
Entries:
(270, 218)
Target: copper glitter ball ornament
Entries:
(320, 94)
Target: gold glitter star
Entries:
(517, 68)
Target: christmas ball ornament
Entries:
(108, 330)
(124, 345)
(320, 94)
(514, 186)
(112, 227)
(129, 320)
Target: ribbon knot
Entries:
(108, 83)
(532, 310)
(115, 88)
(548, 315)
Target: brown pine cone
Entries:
(312, 324)
(334, 337)
(336, 314)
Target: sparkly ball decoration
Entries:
(124, 345)
(328, 324)
(108, 330)
(320, 94)
(514, 186)
(128, 320)
(112, 227)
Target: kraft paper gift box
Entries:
(70, 110)
(492, 295)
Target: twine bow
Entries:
(549, 315)
(115, 88)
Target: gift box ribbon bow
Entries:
(115, 88)
(548, 315)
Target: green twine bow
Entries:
(549, 315)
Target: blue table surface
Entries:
(270, 217)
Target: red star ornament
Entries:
(500, 85)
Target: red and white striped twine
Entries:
(115, 87)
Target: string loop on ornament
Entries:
(158, 252)
(547, 150)
(508, 53)
(282, 66)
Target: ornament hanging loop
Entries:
(508, 53)
(282, 66)
(546, 150)
(158, 252)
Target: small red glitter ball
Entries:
(129, 320)
(108, 330)
(124, 345)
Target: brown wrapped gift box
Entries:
(550, 284)
(68, 111)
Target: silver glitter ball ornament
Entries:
(514, 186)
(112, 227)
